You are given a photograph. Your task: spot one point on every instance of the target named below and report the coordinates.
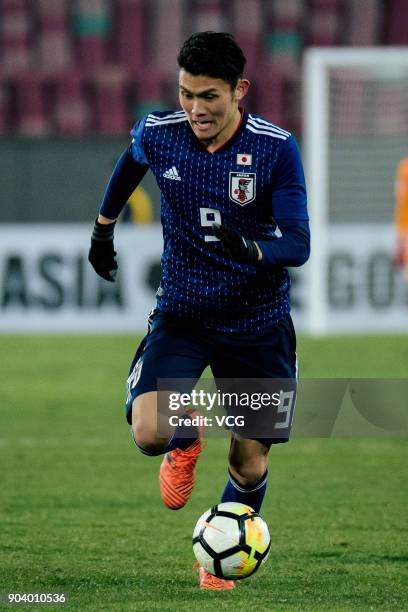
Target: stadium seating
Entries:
(15, 26)
(363, 23)
(283, 40)
(30, 105)
(72, 113)
(53, 47)
(167, 34)
(396, 22)
(246, 18)
(324, 23)
(92, 26)
(109, 102)
(93, 66)
(131, 36)
(208, 15)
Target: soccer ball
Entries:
(231, 541)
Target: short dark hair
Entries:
(213, 54)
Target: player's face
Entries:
(211, 106)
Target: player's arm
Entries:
(236, 246)
(289, 209)
(126, 175)
(129, 170)
(292, 249)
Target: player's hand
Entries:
(236, 246)
(102, 254)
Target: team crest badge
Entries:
(242, 187)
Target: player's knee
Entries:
(146, 439)
(248, 460)
(249, 471)
(144, 424)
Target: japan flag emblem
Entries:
(242, 187)
(244, 159)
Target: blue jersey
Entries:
(253, 179)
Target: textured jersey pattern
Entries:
(198, 188)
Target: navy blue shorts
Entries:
(176, 348)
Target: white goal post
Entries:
(355, 132)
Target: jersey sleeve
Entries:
(136, 147)
(126, 176)
(289, 210)
(292, 249)
(289, 199)
(129, 170)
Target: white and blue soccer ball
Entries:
(231, 541)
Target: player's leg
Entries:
(246, 484)
(170, 352)
(151, 428)
(267, 355)
(181, 447)
(248, 472)
(169, 355)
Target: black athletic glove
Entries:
(236, 246)
(102, 254)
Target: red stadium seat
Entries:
(149, 94)
(247, 22)
(70, 105)
(208, 15)
(396, 26)
(131, 36)
(324, 23)
(167, 35)
(283, 41)
(91, 52)
(363, 25)
(109, 102)
(268, 90)
(30, 105)
(15, 31)
(92, 28)
(53, 42)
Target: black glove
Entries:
(236, 246)
(102, 254)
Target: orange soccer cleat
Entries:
(177, 474)
(212, 583)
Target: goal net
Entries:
(355, 134)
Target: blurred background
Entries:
(75, 75)
(91, 67)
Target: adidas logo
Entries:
(172, 174)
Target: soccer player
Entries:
(228, 180)
(401, 215)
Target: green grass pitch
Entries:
(80, 511)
